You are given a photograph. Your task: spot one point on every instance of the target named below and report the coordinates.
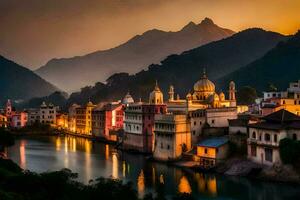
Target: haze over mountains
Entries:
(18, 82)
(219, 58)
(152, 46)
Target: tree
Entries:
(246, 95)
(289, 151)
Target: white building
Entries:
(264, 137)
(46, 114)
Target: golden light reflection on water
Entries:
(88, 160)
(207, 185)
(106, 152)
(162, 179)
(141, 183)
(184, 185)
(115, 166)
(124, 169)
(153, 176)
(58, 144)
(23, 154)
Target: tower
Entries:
(156, 96)
(171, 93)
(8, 108)
(232, 94)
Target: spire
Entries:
(156, 86)
(204, 73)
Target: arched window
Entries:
(267, 137)
(254, 135)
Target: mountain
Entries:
(279, 67)
(57, 98)
(219, 58)
(142, 50)
(18, 82)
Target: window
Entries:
(268, 154)
(254, 135)
(194, 132)
(205, 150)
(168, 147)
(195, 123)
(294, 136)
(267, 137)
(275, 138)
(213, 121)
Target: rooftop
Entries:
(213, 142)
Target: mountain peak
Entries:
(189, 26)
(207, 21)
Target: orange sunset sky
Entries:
(35, 31)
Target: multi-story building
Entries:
(62, 121)
(33, 116)
(264, 136)
(19, 120)
(277, 100)
(3, 121)
(48, 114)
(72, 117)
(107, 120)
(172, 136)
(84, 119)
(212, 119)
(139, 122)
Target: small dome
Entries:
(44, 104)
(204, 85)
(127, 99)
(213, 97)
(222, 96)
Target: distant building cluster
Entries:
(199, 126)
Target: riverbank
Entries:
(242, 167)
(236, 166)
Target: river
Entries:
(92, 159)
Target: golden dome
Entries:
(204, 85)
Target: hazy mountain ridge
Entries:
(132, 56)
(219, 58)
(279, 67)
(18, 82)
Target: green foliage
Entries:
(246, 95)
(289, 151)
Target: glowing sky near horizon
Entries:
(34, 31)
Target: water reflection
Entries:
(184, 186)
(141, 183)
(23, 155)
(92, 160)
(115, 166)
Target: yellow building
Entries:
(290, 104)
(84, 119)
(62, 121)
(172, 136)
(3, 121)
(212, 151)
